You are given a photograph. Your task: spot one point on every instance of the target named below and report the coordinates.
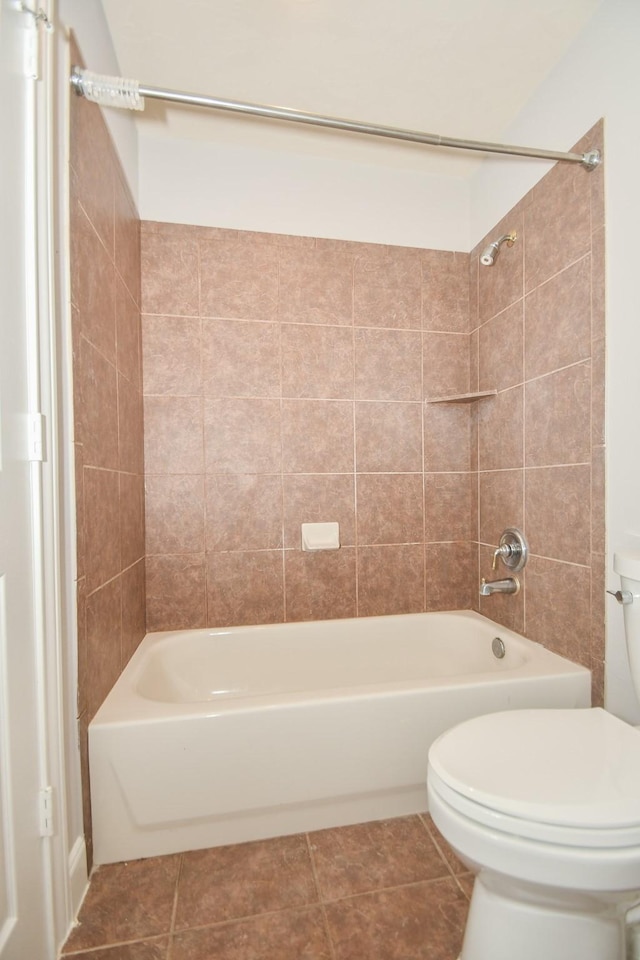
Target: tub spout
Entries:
(509, 585)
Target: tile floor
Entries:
(389, 890)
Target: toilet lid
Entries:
(570, 768)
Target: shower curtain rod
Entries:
(121, 92)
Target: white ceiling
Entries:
(460, 68)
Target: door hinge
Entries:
(36, 439)
(46, 812)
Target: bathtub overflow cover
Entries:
(498, 648)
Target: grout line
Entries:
(103, 947)
(174, 910)
(437, 841)
(321, 901)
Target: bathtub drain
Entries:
(498, 648)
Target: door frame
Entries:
(52, 489)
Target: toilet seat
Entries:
(569, 777)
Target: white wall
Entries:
(214, 184)
(87, 20)
(599, 77)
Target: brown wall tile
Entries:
(445, 369)
(317, 436)
(388, 437)
(244, 512)
(173, 435)
(390, 508)
(390, 579)
(170, 272)
(97, 413)
(240, 358)
(133, 609)
(104, 633)
(447, 506)
(239, 276)
(131, 512)
(245, 588)
(93, 284)
(501, 496)
(449, 584)
(171, 362)
(106, 338)
(175, 511)
(387, 288)
(130, 427)
(598, 271)
(176, 592)
(241, 436)
(558, 321)
(126, 237)
(445, 291)
(447, 436)
(557, 223)
(317, 361)
(501, 285)
(558, 512)
(500, 431)
(558, 607)
(320, 586)
(128, 336)
(318, 499)
(558, 417)
(102, 526)
(500, 349)
(388, 365)
(316, 285)
(559, 265)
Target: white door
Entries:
(24, 909)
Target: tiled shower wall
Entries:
(284, 381)
(538, 329)
(105, 295)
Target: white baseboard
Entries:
(78, 877)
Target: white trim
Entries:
(64, 867)
(77, 872)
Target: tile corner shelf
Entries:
(463, 397)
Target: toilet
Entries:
(543, 806)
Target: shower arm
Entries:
(118, 92)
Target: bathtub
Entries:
(220, 736)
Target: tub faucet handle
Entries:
(512, 549)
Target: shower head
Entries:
(490, 253)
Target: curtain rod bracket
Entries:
(591, 159)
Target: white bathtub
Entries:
(220, 736)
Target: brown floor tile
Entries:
(290, 935)
(369, 856)
(127, 901)
(227, 883)
(466, 881)
(141, 950)
(392, 889)
(424, 921)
